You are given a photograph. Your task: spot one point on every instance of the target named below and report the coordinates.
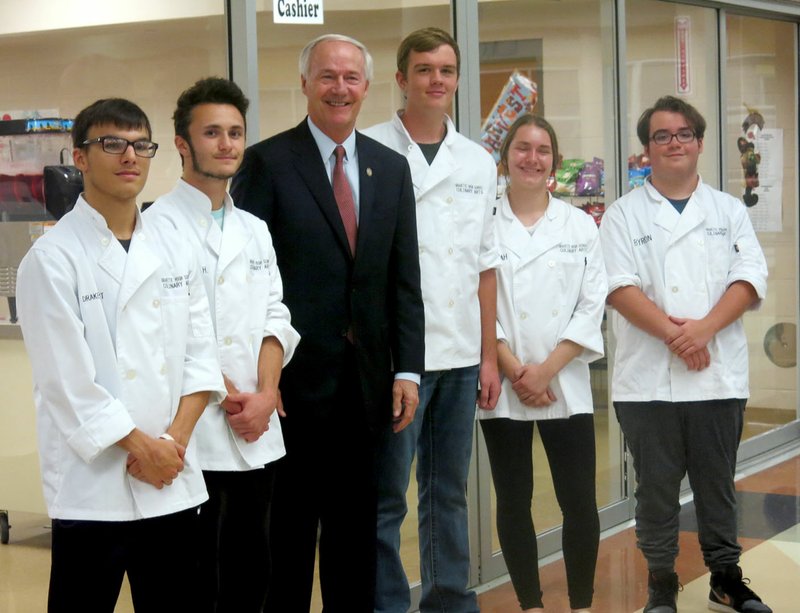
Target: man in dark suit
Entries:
(341, 211)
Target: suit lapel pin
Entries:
(369, 171)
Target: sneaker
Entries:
(730, 594)
(662, 589)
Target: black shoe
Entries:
(662, 589)
(730, 594)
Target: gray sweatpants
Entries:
(668, 440)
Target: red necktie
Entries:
(344, 199)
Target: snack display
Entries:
(576, 177)
(638, 169)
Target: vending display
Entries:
(27, 147)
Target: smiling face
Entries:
(431, 80)
(530, 159)
(674, 161)
(111, 179)
(215, 145)
(335, 88)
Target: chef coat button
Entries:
(523, 315)
(130, 374)
(410, 147)
(228, 340)
(104, 240)
(701, 242)
(422, 250)
(156, 303)
(674, 289)
(451, 303)
(449, 200)
(203, 223)
(555, 312)
(221, 280)
(551, 263)
(450, 251)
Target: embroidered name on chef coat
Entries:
(175, 282)
(257, 265)
(573, 247)
(640, 242)
(92, 296)
(717, 232)
(468, 188)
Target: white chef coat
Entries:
(114, 341)
(684, 263)
(456, 199)
(551, 287)
(244, 289)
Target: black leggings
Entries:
(569, 444)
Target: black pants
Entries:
(669, 440)
(90, 558)
(569, 444)
(234, 541)
(325, 483)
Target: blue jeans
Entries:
(441, 436)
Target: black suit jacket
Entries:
(377, 294)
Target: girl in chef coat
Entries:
(550, 301)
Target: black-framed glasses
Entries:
(116, 145)
(664, 137)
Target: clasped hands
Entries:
(248, 413)
(531, 383)
(688, 339)
(158, 463)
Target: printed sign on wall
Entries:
(683, 73)
(297, 11)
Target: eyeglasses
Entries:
(116, 145)
(664, 137)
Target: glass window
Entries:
(53, 66)
(672, 49)
(283, 104)
(558, 57)
(761, 168)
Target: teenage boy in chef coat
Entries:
(684, 264)
(118, 331)
(239, 439)
(455, 184)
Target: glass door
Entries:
(558, 59)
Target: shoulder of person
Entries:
(377, 150)
(63, 235)
(719, 197)
(379, 131)
(163, 210)
(276, 145)
(482, 155)
(579, 217)
(256, 224)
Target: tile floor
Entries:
(769, 528)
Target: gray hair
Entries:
(305, 54)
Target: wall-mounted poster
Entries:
(761, 157)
